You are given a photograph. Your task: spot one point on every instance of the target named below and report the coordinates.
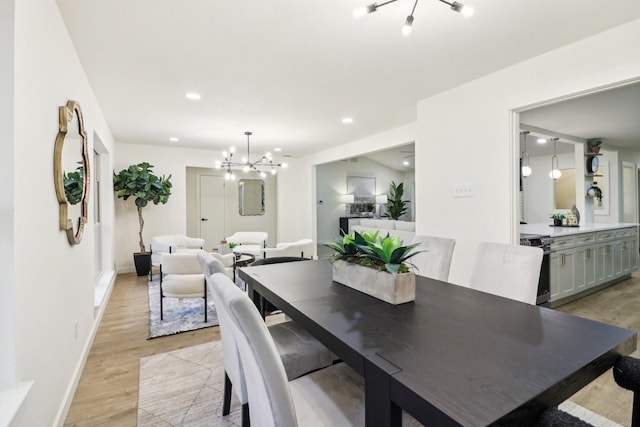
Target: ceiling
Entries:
(612, 115)
(290, 70)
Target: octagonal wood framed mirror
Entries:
(71, 172)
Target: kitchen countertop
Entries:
(548, 229)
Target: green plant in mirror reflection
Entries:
(74, 184)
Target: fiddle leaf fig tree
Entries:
(140, 182)
(396, 207)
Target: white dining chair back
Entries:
(511, 271)
(298, 351)
(436, 261)
(333, 396)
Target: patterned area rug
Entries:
(185, 388)
(180, 315)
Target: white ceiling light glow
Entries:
(193, 96)
(347, 120)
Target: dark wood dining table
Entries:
(454, 356)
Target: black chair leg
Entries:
(635, 415)
(226, 399)
(205, 301)
(246, 422)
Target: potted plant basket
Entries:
(557, 219)
(375, 265)
(139, 181)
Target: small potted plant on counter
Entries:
(557, 219)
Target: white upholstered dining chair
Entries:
(333, 396)
(435, 262)
(298, 351)
(511, 271)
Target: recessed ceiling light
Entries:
(406, 163)
(193, 96)
(347, 120)
(541, 140)
(174, 139)
(277, 149)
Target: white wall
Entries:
(171, 218)
(539, 188)
(53, 283)
(299, 180)
(7, 213)
(480, 111)
(331, 183)
(228, 208)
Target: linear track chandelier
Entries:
(261, 166)
(408, 24)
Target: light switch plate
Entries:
(464, 190)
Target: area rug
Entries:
(185, 388)
(180, 315)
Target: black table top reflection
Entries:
(454, 356)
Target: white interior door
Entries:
(212, 210)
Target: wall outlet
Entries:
(464, 190)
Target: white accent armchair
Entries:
(303, 248)
(181, 277)
(171, 243)
(249, 242)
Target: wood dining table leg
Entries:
(379, 408)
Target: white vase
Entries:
(379, 284)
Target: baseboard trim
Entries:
(110, 279)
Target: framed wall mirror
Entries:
(251, 197)
(71, 172)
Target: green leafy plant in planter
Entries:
(371, 250)
(396, 207)
(557, 218)
(139, 181)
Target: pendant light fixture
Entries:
(261, 166)
(555, 170)
(406, 28)
(526, 169)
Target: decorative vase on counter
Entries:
(575, 210)
(379, 284)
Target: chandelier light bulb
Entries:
(273, 171)
(267, 155)
(245, 168)
(263, 175)
(467, 11)
(224, 154)
(407, 27)
(232, 150)
(364, 10)
(284, 165)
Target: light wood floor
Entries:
(107, 394)
(108, 391)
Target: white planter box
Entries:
(378, 284)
